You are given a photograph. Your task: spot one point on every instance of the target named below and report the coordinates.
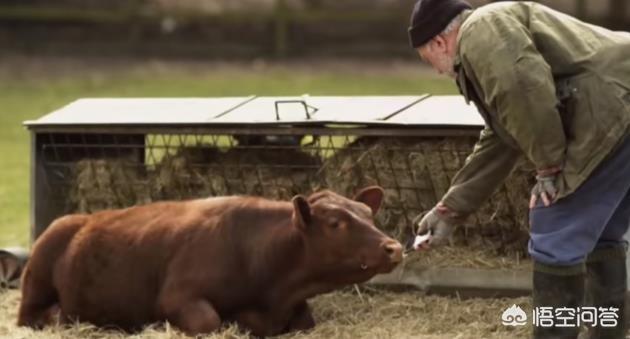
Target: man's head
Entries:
(433, 31)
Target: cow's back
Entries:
(115, 266)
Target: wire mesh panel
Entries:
(90, 172)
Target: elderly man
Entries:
(555, 90)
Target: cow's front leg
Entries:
(258, 323)
(302, 319)
(193, 317)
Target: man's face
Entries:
(437, 53)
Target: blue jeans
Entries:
(596, 215)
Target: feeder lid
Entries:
(119, 111)
(423, 110)
(440, 110)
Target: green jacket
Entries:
(550, 87)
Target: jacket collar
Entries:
(465, 15)
(457, 64)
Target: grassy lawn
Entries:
(32, 88)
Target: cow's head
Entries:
(341, 242)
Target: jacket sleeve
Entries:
(517, 85)
(483, 172)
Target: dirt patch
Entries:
(351, 313)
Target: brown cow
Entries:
(200, 263)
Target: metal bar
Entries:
(248, 100)
(139, 146)
(85, 146)
(424, 131)
(404, 108)
(52, 143)
(260, 179)
(416, 190)
(239, 168)
(377, 176)
(425, 153)
(99, 137)
(46, 205)
(33, 186)
(304, 104)
(72, 150)
(224, 176)
(150, 157)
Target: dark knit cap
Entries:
(430, 17)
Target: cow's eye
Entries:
(335, 224)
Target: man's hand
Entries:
(439, 222)
(545, 188)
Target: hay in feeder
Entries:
(180, 176)
(100, 184)
(351, 313)
(197, 171)
(416, 173)
(272, 172)
(193, 172)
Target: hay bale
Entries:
(99, 184)
(416, 173)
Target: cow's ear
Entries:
(371, 196)
(301, 212)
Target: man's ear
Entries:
(301, 212)
(371, 196)
(439, 43)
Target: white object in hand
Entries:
(420, 240)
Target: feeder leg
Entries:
(556, 287)
(606, 287)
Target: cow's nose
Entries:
(394, 250)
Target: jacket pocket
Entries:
(593, 111)
(623, 98)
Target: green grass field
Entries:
(32, 88)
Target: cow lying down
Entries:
(198, 264)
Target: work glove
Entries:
(545, 188)
(438, 223)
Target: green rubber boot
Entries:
(556, 287)
(606, 287)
